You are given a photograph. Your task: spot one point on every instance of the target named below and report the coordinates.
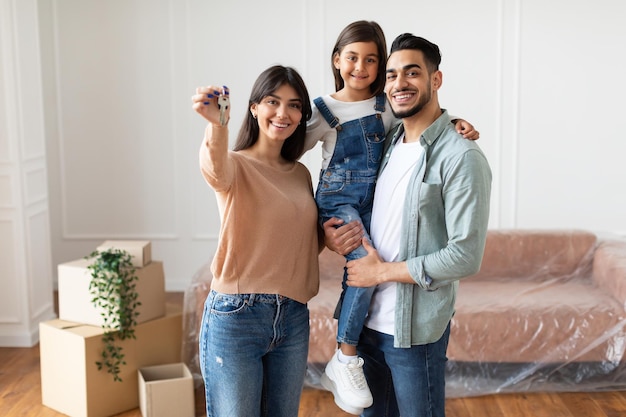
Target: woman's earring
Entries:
(254, 115)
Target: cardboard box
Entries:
(70, 380)
(166, 391)
(75, 301)
(139, 250)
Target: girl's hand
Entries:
(205, 103)
(466, 129)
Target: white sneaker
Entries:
(348, 385)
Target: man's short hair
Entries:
(431, 52)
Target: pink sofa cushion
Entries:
(536, 254)
(528, 322)
(609, 268)
(322, 340)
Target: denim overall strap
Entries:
(380, 105)
(333, 121)
(327, 114)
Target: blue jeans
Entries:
(346, 191)
(354, 302)
(407, 382)
(253, 353)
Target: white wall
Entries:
(540, 80)
(25, 257)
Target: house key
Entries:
(223, 102)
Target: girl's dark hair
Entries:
(431, 52)
(362, 31)
(267, 83)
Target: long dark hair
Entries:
(362, 31)
(267, 83)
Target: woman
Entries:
(255, 329)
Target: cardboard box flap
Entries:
(139, 250)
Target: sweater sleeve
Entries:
(216, 166)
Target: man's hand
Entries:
(342, 239)
(365, 272)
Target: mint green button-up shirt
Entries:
(444, 228)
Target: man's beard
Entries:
(404, 114)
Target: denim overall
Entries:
(346, 191)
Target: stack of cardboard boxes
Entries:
(71, 345)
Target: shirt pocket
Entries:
(431, 204)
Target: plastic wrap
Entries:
(193, 306)
(545, 313)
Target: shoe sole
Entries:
(330, 386)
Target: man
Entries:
(429, 226)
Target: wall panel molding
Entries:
(35, 183)
(10, 302)
(7, 198)
(505, 167)
(118, 177)
(26, 295)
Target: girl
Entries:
(254, 333)
(351, 123)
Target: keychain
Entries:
(223, 102)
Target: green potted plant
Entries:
(112, 289)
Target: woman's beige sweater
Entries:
(268, 241)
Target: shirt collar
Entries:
(433, 131)
(430, 135)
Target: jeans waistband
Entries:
(257, 298)
(265, 298)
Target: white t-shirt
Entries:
(319, 130)
(385, 229)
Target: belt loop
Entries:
(251, 299)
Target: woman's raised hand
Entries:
(205, 103)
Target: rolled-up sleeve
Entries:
(464, 196)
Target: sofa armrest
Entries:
(609, 268)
